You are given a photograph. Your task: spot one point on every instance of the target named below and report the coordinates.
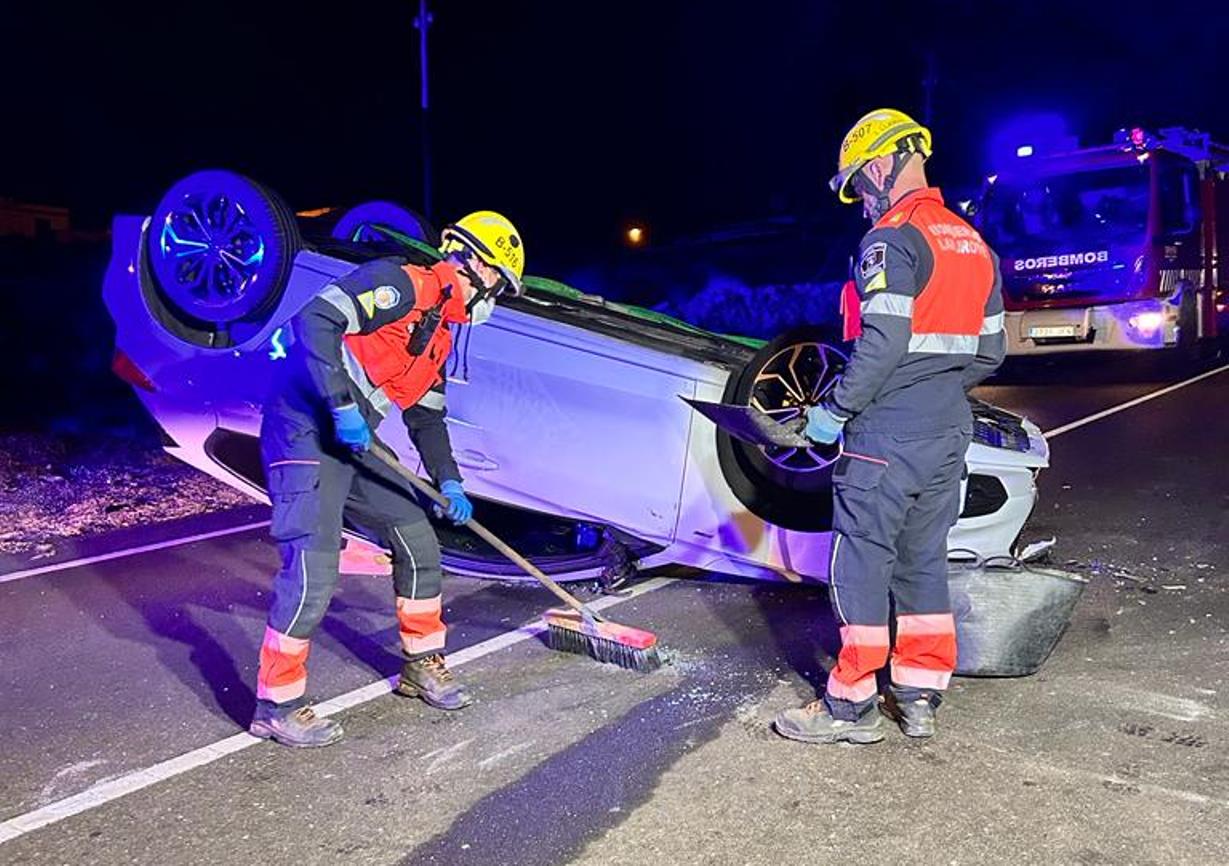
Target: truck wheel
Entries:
(220, 249)
(790, 487)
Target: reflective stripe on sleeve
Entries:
(943, 344)
(344, 304)
(375, 396)
(992, 324)
(882, 304)
(434, 400)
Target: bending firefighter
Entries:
(931, 327)
(374, 341)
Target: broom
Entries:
(577, 629)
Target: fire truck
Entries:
(1113, 247)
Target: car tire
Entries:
(220, 250)
(789, 488)
(362, 223)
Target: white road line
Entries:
(135, 781)
(131, 782)
(1113, 410)
(129, 551)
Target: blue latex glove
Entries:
(460, 509)
(350, 428)
(823, 426)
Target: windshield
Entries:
(1033, 215)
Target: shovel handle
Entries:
(482, 532)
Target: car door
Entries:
(549, 416)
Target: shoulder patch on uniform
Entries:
(367, 300)
(873, 261)
(387, 297)
(877, 282)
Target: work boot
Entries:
(813, 724)
(429, 678)
(294, 725)
(916, 718)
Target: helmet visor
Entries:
(840, 182)
(510, 284)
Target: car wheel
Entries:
(220, 249)
(790, 487)
(364, 223)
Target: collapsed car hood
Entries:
(1005, 438)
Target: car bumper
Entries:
(1150, 324)
(717, 532)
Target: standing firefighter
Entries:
(931, 328)
(375, 340)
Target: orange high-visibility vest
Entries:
(383, 354)
(953, 301)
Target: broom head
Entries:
(568, 630)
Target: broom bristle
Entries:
(609, 642)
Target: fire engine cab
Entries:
(1113, 247)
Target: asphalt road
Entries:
(1114, 753)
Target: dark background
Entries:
(570, 116)
(574, 118)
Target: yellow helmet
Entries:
(876, 134)
(493, 239)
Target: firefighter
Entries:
(374, 341)
(931, 312)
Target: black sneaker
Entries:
(296, 726)
(429, 678)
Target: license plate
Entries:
(1053, 331)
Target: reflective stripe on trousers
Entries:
(925, 652)
(312, 493)
(421, 625)
(283, 667)
(864, 650)
(895, 498)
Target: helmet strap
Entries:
(883, 197)
(475, 301)
(481, 291)
(466, 269)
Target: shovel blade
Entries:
(753, 426)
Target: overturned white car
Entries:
(564, 411)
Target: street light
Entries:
(423, 23)
(635, 236)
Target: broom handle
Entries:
(482, 532)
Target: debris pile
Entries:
(54, 487)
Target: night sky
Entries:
(571, 117)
